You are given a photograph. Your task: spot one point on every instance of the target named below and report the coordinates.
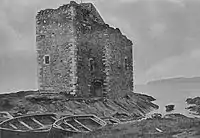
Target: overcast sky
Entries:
(165, 33)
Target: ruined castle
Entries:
(79, 54)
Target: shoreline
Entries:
(145, 126)
(132, 105)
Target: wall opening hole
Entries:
(97, 88)
(126, 63)
(47, 59)
(91, 64)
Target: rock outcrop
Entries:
(130, 106)
(193, 105)
(173, 126)
(169, 107)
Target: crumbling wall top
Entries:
(85, 8)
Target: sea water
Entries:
(171, 94)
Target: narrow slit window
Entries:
(119, 64)
(91, 64)
(47, 59)
(126, 63)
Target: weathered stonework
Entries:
(86, 56)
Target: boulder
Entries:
(169, 107)
(156, 116)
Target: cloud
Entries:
(195, 54)
(17, 73)
(12, 41)
(179, 2)
(125, 26)
(186, 65)
(18, 68)
(157, 29)
(128, 1)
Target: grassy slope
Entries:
(182, 127)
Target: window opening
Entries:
(126, 63)
(91, 64)
(47, 59)
(97, 88)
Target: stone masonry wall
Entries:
(87, 57)
(120, 64)
(55, 37)
(90, 49)
(109, 48)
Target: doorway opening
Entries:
(97, 88)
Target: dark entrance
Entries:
(97, 88)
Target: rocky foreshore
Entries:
(133, 105)
(168, 126)
(130, 108)
(193, 105)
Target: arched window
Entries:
(97, 88)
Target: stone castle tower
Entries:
(81, 55)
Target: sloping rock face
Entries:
(130, 106)
(79, 54)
